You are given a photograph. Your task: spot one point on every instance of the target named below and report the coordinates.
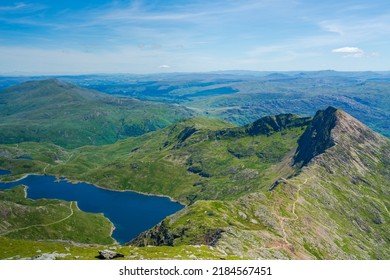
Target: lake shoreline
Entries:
(94, 184)
(115, 190)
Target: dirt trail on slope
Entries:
(43, 225)
(282, 219)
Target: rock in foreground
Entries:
(108, 255)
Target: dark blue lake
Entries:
(4, 172)
(130, 212)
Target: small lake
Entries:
(24, 157)
(130, 212)
(4, 172)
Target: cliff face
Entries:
(317, 137)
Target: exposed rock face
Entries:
(271, 124)
(186, 133)
(317, 137)
(108, 255)
(161, 235)
(50, 256)
(158, 236)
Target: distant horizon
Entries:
(146, 37)
(237, 72)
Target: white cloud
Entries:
(359, 29)
(332, 27)
(164, 66)
(13, 8)
(22, 7)
(350, 51)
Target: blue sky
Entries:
(71, 37)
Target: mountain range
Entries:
(241, 97)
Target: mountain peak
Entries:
(57, 82)
(39, 84)
(331, 127)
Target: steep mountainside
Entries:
(70, 116)
(336, 207)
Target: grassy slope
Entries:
(19, 249)
(43, 219)
(64, 114)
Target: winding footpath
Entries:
(43, 225)
(283, 219)
(44, 170)
(65, 162)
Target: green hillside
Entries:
(61, 113)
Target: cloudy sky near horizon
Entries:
(100, 36)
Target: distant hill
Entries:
(62, 113)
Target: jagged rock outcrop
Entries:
(50, 256)
(272, 124)
(317, 137)
(157, 236)
(161, 235)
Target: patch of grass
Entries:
(19, 249)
